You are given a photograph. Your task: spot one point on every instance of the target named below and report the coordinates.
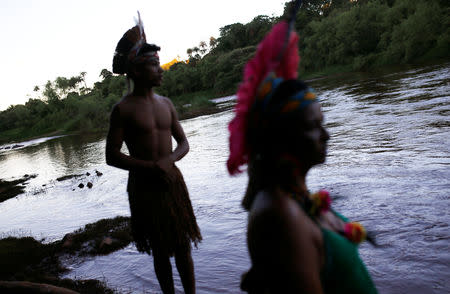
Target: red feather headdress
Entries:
(277, 54)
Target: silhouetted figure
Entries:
(297, 243)
(162, 219)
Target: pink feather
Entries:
(265, 60)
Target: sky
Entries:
(45, 39)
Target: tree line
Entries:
(63, 105)
(344, 34)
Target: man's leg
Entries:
(185, 266)
(163, 270)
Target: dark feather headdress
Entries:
(130, 47)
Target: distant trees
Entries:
(212, 42)
(65, 104)
(361, 34)
(373, 33)
(217, 69)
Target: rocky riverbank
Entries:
(12, 188)
(31, 266)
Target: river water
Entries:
(388, 167)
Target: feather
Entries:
(140, 27)
(136, 36)
(269, 58)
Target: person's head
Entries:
(287, 123)
(277, 117)
(147, 69)
(136, 58)
(285, 137)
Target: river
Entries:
(388, 167)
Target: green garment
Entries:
(344, 271)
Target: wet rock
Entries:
(88, 174)
(67, 241)
(10, 189)
(107, 241)
(89, 185)
(81, 186)
(108, 245)
(98, 173)
(63, 178)
(16, 146)
(7, 147)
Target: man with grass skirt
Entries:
(162, 220)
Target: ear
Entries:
(135, 71)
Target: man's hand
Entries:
(165, 164)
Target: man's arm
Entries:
(114, 142)
(178, 133)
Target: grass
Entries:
(332, 70)
(19, 134)
(194, 104)
(88, 240)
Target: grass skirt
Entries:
(161, 212)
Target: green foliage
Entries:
(345, 35)
(334, 35)
(17, 259)
(419, 31)
(216, 73)
(367, 34)
(65, 105)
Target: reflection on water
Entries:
(388, 167)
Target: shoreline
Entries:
(31, 264)
(35, 265)
(16, 143)
(199, 110)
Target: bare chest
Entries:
(149, 118)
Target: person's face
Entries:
(151, 72)
(313, 135)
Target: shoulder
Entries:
(277, 214)
(278, 225)
(168, 105)
(122, 109)
(164, 100)
(274, 204)
(121, 104)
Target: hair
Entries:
(270, 131)
(271, 134)
(149, 48)
(125, 44)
